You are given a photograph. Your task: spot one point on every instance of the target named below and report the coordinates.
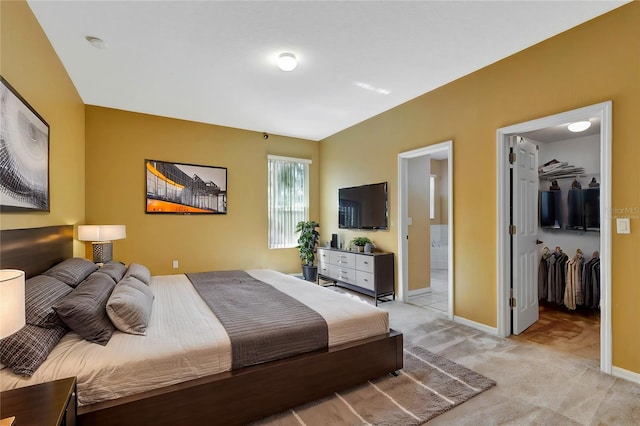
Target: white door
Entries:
(524, 261)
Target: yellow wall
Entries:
(30, 65)
(419, 232)
(118, 142)
(592, 63)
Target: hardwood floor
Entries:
(575, 332)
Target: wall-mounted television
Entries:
(363, 207)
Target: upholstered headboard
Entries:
(34, 250)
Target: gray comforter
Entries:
(263, 323)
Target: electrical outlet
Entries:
(175, 264)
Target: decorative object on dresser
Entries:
(12, 316)
(367, 273)
(46, 404)
(24, 154)
(360, 243)
(101, 237)
(307, 242)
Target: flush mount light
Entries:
(579, 126)
(287, 61)
(96, 42)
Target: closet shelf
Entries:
(576, 176)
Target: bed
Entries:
(181, 370)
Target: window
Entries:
(288, 199)
(432, 196)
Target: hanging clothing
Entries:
(557, 275)
(591, 283)
(543, 271)
(573, 289)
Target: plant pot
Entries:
(310, 273)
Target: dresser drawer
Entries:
(365, 280)
(341, 258)
(323, 269)
(340, 273)
(323, 256)
(365, 263)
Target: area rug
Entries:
(426, 387)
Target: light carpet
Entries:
(427, 386)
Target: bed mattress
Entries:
(184, 340)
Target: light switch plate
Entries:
(623, 225)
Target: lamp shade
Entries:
(101, 232)
(11, 301)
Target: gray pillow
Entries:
(129, 306)
(25, 350)
(72, 271)
(140, 272)
(41, 293)
(115, 270)
(84, 309)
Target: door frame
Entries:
(604, 112)
(403, 209)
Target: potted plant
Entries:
(361, 242)
(307, 242)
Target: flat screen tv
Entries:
(363, 207)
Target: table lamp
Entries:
(101, 237)
(12, 316)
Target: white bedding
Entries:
(184, 340)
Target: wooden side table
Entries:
(52, 403)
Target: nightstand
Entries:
(52, 403)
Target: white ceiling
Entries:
(214, 61)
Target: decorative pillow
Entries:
(72, 271)
(129, 306)
(84, 309)
(140, 272)
(115, 270)
(41, 293)
(25, 350)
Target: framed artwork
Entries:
(179, 188)
(24, 154)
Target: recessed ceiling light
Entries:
(579, 126)
(96, 42)
(287, 62)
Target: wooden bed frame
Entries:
(235, 397)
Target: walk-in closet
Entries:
(568, 244)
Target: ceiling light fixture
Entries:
(287, 62)
(579, 126)
(96, 42)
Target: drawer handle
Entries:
(366, 280)
(365, 262)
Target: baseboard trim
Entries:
(476, 325)
(419, 291)
(625, 374)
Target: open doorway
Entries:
(518, 253)
(425, 212)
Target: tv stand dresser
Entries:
(372, 274)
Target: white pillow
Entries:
(129, 307)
